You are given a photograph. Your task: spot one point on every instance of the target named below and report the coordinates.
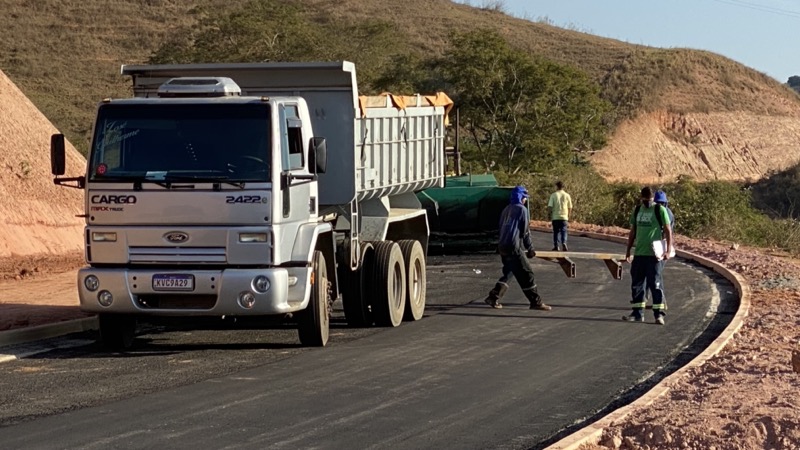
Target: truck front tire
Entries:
(388, 284)
(314, 322)
(117, 331)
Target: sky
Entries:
(762, 34)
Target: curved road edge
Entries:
(592, 433)
(20, 336)
(13, 342)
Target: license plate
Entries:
(173, 282)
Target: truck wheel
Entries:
(355, 294)
(415, 274)
(314, 321)
(117, 331)
(388, 284)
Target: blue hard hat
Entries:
(660, 197)
(517, 194)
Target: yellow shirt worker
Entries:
(560, 205)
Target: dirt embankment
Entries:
(745, 397)
(36, 216)
(659, 147)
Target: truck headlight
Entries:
(91, 282)
(253, 237)
(261, 284)
(104, 236)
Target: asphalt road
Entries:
(464, 377)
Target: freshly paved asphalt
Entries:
(464, 377)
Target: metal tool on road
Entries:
(613, 261)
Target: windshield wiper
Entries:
(166, 181)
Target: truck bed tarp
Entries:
(388, 100)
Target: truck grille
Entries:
(177, 255)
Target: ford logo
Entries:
(176, 237)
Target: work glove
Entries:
(531, 253)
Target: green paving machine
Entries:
(464, 214)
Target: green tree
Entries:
(521, 112)
(409, 73)
(794, 82)
(275, 30)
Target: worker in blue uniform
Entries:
(515, 248)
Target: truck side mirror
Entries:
(57, 155)
(318, 155)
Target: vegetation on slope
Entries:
(779, 194)
(794, 83)
(719, 210)
(65, 54)
(682, 80)
(274, 30)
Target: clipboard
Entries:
(659, 248)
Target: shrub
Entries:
(595, 201)
(719, 210)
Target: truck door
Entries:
(299, 196)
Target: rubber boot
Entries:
(536, 300)
(496, 294)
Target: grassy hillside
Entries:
(634, 77)
(65, 55)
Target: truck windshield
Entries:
(155, 142)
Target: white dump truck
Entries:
(263, 189)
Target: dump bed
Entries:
(377, 146)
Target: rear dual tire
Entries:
(356, 289)
(416, 280)
(388, 284)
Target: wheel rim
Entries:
(397, 286)
(323, 308)
(416, 282)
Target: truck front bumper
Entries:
(212, 292)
